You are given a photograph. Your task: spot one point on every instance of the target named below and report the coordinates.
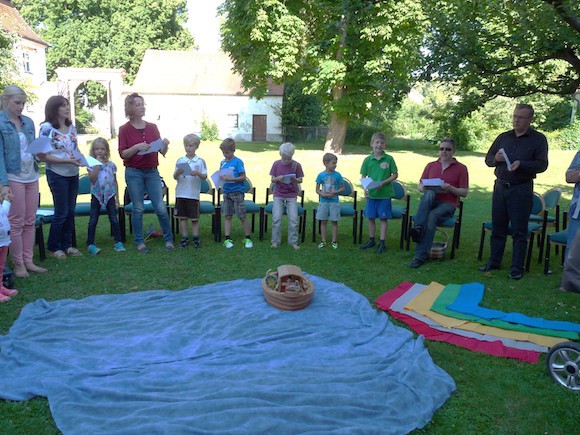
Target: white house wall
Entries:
(177, 115)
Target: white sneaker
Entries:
(228, 243)
(248, 243)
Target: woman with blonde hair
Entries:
(19, 178)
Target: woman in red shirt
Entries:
(139, 145)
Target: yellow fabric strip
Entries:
(424, 300)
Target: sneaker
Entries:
(93, 249)
(296, 246)
(334, 245)
(321, 245)
(368, 245)
(196, 244)
(228, 243)
(381, 249)
(119, 247)
(184, 242)
(248, 243)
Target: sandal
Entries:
(74, 252)
(59, 255)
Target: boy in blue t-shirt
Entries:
(234, 189)
(329, 184)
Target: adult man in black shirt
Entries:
(527, 152)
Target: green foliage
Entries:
(503, 48)
(569, 137)
(106, 33)
(300, 108)
(357, 55)
(209, 130)
(83, 120)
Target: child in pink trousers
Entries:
(5, 293)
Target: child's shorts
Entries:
(378, 208)
(234, 204)
(186, 208)
(328, 211)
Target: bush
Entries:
(83, 121)
(569, 137)
(209, 130)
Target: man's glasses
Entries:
(445, 149)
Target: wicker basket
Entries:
(287, 288)
(439, 249)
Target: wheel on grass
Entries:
(563, 364)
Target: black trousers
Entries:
(510, 209)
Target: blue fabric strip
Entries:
(471, 295)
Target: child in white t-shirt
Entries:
(188, 189)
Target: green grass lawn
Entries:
(494, 395)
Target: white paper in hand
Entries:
(40, 145)
(432, 182)
(507, 160)
(216, 176)
(184, 167)
(91, 161)
(368, 183)
(154, 147)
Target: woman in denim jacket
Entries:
(19, 178)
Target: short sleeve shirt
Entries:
(286, 190)
(104, 189)
(238, 167)
(379, 170)
(329, 183)
(189, 186)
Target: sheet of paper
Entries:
(40, 145)
(92, 162)
(288, 178)
(77, 155)
(368, 183)
(184, 167)
(507, 160)
(154, 147)
(432, 182)
(215, 177)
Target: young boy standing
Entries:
(286, 176)
(188, 189)
(234, 188)
(382, 170)
(329, 184)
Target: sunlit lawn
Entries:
(494, 395)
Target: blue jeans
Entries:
(430, 214)
(64, 197)
(94, 219)
(138, 182)
(510, 206)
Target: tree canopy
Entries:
(357, 55)
(509, 48)
(106, 33)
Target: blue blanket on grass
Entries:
(219, 359)
(470, 296)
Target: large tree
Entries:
(106, 33)
(509, 48)
(358, 55)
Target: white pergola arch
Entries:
(69, 79)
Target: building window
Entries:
(233, 121)
(26, 62)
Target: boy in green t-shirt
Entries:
(382, 170)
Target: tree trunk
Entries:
(336, 134)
